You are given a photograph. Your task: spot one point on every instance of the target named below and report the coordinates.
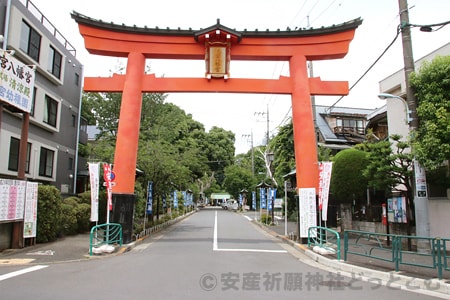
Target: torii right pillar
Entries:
(306, 161)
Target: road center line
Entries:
(21, 272)
(216, 247)
(215, 233)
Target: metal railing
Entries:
(325, 238)
(399, 249)
(105, 234)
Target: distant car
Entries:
(225, 204)
(233, 205)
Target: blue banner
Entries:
(185, 201)
(272, 197)
(164, 201)
(263, 198)
(254, 199)
(150, 198)
(240, 199)
(175, 199)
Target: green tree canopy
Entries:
(390, 165)
(237, 179)
(432, 89)
(347, 180)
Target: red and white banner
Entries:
(324, 186)
(108, 183)
(94, 169)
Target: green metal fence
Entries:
(325, 238)
(399, 249)
(105, 234)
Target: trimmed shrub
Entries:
(48, 214)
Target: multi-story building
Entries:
(54, 120)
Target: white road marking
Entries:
(252, 250)
(216, 247)
(215, 233)
(248, 218)
(21, 272)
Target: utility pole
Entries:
(419, 184)
(313, 98)
(253, 150)
(266, 113)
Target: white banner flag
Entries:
(324, 186)
(94, 179)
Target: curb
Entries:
(391, 279)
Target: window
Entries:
(74, 121)
(30, 41)
(70, 161)
(54, 62)
(46, 162)
(77, 79)
(13, 161)
(344, 125)
(50, 111)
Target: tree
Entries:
(218, 147)
(237, 179)
(432, 88)
(283, 149)
(347, 181)
(390, 165)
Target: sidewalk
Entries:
(67, 249)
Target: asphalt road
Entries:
(213, 254)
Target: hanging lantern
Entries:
(218, 40)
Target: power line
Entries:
(371, 66)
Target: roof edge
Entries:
(85, 20)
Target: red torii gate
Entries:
(138, 44)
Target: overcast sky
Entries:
(242, 113)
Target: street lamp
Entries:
(385, 96)
(419, 184)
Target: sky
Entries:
(246, 115)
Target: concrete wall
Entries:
(439, 211)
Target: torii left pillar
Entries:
(127, 142)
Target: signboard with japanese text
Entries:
(12, 199)
(421, 180)
(94, 171)
(396, 210)
(30, 217)
(16, 82)
(307, 205)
